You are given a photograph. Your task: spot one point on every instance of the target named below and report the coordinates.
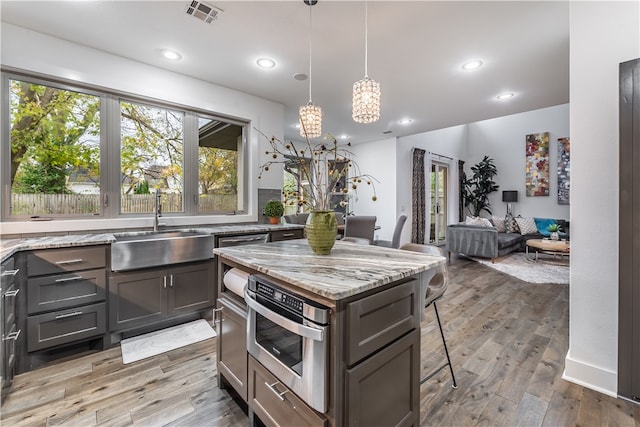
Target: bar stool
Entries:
(435, 290)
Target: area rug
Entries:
(545, 270)
(158, 342)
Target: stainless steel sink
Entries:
(132, 252)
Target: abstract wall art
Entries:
(564, 170)
(537, 164)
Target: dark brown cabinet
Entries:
(368, 398)
(374, 367)
(277, 236)
(145, 297)
(66, 291)
(275, 404)
(9, 330)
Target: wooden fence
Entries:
(68, 204)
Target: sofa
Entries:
(487, 242)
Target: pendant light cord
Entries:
(310, 49)
(366, 39)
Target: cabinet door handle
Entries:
(171, 281)
(13, 336)
(69, 279)
(164, 281)
(288, 234)
(11, 272)
(275, 391)
(12, 293)
(63, 316)
(69, 261)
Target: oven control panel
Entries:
(280, 296)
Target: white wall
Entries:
(377, 159)
(603, 34)
(450, 142)
(36, 52)
(503, 139)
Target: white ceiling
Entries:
(416, 50)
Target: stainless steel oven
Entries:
(289, 335)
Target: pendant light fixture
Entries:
(366, 92)
(310, 115)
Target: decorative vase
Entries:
(321, 229)
(554, 235)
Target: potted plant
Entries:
(554, 229)
(328, 169)
(274, 209)
(477, 188)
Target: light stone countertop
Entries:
(349, 270)
(8, 247)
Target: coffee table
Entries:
(546, 246)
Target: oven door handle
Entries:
(290, 325)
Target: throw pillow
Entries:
(476, 220)
(510, 224)
(542, 225)
(499, 224)
(526, 225)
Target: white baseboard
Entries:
(593, 377)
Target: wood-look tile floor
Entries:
(507, 339)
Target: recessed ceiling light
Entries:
(266, 63)
(405, 121)
(171, 54)
(300, 77)
(472, 65)
(505, 96)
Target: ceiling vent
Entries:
(202, 11)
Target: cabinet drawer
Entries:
(65, 290)
(61, 327)
(53, 261)
(274, 403)
(384, 390)
(379, 319)
(280, 235)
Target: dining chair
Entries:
(397, 233)
(360, 226)
(435, 290)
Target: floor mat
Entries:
(154, 343)
(547, 269)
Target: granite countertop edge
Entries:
(9, 247)
(348, 271)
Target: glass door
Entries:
(439, 175)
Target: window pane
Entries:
(218, 176)
(151, 158)
(55, 151)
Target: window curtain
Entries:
(418, 205)
(462, 177)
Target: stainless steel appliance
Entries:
(246, 239)
(289, 335)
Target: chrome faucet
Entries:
(157, 210)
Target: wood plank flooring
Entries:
(507, 340)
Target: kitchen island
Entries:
(349, 355)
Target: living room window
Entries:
(79, 152)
